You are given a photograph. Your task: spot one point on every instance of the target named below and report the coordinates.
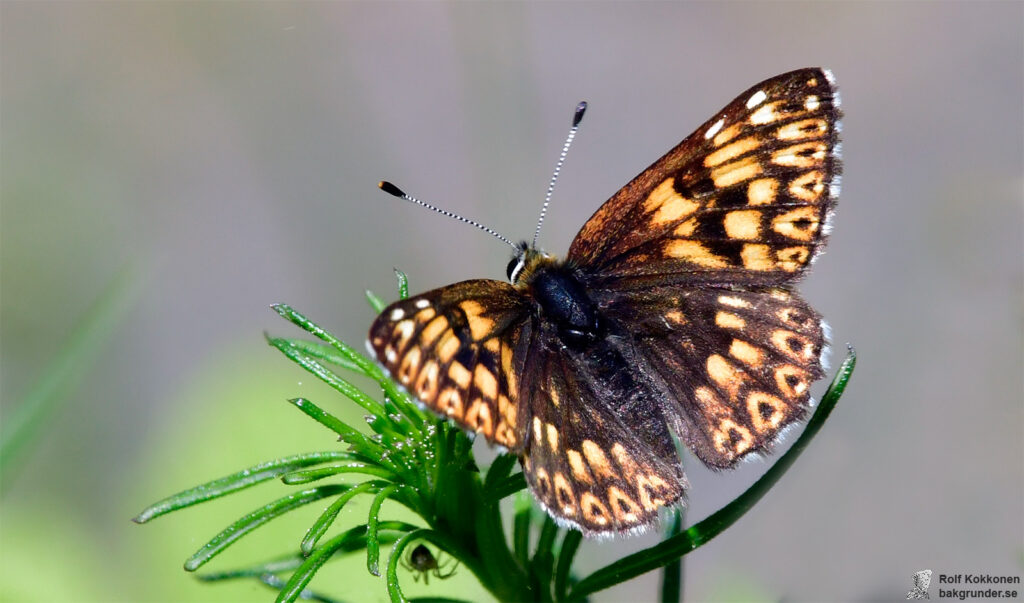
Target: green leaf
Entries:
(21, 426)
(668, 550)
(376, 303)
(236, 481)
(570, 544)
(372, 544)
(257, 518)
(403, 284)
(672, 573)
(350, 540)
(320, 526)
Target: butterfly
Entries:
(672, 318)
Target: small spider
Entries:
(421, 562)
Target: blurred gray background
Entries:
(218, 157)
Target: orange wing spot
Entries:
(728, 320)
(626, 509)
(723, 373)
(597, 460)
(686, 228)
(543, 489)
(736, 172)
(731, 151)
(746, 353)
(735, 302)
(478, 417)
(425, 315)
(648, 486)
(693, 252)
(434, 329)
(808, 154)
(410, 366)
(731, 438)
(667, 204)
(792, 259)
(793, 345)
(579, 470)
(450, 402)
(742, 224)
(506, 368)
(762, 191)
(765, 115)
(492, 345)
(766, 411)
(757, 257)
(807, 128)
(459, 374)
(625, 461)
(505, 435)
(800, 224)
(447, 347)
(485, 382)
(727, 134)
(675, 317)
(538, 433)
(552, 433)
(779, 294)
(402, 333)
(809, 186)
(791, 380)
(564, 496)
(593, 509)
(706, 398)
(479, 326)
(426, 384)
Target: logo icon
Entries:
(922, 580)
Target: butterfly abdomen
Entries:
(564, 301)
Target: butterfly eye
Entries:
(513, 267)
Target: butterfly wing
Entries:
(598, 453)
(736, 364)
(744, 199)
(453, 348)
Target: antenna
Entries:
(391, 189)
(576, 119)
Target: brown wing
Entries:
(452, 348)
(736, 365)
(599, 455)
(744, 199)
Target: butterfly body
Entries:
(672, 317)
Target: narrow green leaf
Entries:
(256, 519)
(499, 470)
(308, 595)
(366, 365)
(236, 481)
(372, 544)
(666, 551)
(544, 557)
(570, 544)
(350, 540)
(506, 486)
(365, 448)
(332, 379)
(317, 351)
(521, 529)
(320, 526)
(376, 303)
(672, 573)
(403, 284)
(306, 476)
(20, 427)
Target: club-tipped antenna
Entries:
(576, 119)
(391, 189)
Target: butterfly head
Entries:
(525, 262)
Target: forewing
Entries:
(452, 348)
(599, 455)
(744, 199)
